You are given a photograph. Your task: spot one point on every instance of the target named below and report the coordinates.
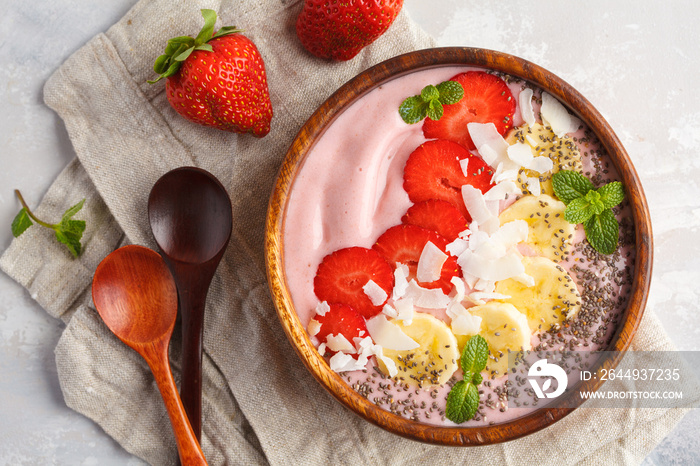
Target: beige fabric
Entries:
(260, 404)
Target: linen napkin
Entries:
(260, 404)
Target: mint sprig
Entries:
(463, 399)
(68, 231)
(179, 48)
(429, 103)
(591, 207)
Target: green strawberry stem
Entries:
(179, 48)
(31, 214)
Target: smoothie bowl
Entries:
(442, 217)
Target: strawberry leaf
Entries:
(208, 30)
(178, 49)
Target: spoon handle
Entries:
(192, 303)
(188, 447)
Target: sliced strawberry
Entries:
(438, 216)
(341, 320)
(487, 99)
(433, 171)
(405, 243)
(342, 275)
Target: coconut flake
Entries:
(389, 335)
(404, 309)
(475, 203)
(400, 281)
(556, 116)
(490, 268)
(389, 311)
(322, 349)
(541, 164)
(375, 293)
(388, 362)
(457, 247)
(459, 290)
(520, 153)
(500, 192)
(511, 233)
(322, 308)
(526, 110)
(466, 324)
(314, 327)
(464, 165)
(486, 135)
(480, 297)
(430, 263)
(525, 279)
(341, 362)
(533, 185)
(340, 343)
(426, 298)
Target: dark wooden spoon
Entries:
(135, 294)
(190, 215)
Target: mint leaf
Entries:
(579, 210)
(68, 231)
(594, 200)
(568, 185)
(451, 92)
(611, 194)
(462, 402)
(429, 103)
(477, 379)
(21, 223)
(435, 110)
(475, 355)
(413, 109)
(602, 232)
(429, 93)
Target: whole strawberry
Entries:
(217, 79)
(339, 29)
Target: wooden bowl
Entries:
(315, 126)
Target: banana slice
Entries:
(549, 233)
(551, 300)
(563, 151)
(434, 361)
(506, 330)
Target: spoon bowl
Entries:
(135, 295)
(191, 219)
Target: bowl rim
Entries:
(274, 250)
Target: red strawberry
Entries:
(405, 243)
(339, 29)
(221, 82)
(341, 320)
(433, 171)
(341, 276)
(487, 99)
(438, 216)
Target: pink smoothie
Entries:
(349, 190)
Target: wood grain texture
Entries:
(135, 294)
(190, 215)
(312, 130)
